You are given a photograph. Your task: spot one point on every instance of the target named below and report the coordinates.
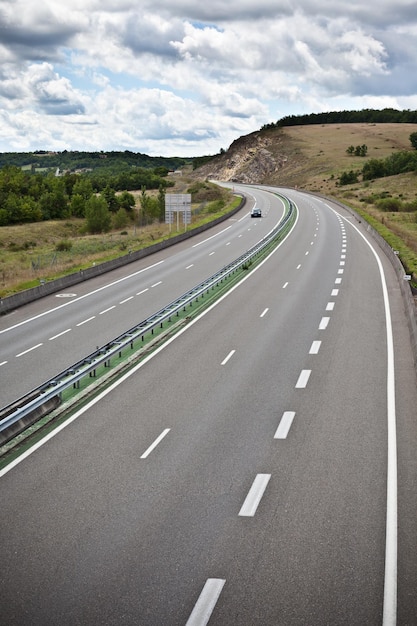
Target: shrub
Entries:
(63, 246)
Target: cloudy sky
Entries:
(187, 77)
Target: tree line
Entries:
(26, 197)
(369, 116)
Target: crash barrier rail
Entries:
(22, 413)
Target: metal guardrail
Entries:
(38, 397)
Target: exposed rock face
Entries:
(250, 159)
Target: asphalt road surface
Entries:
(238, 476)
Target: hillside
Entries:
(313, 157)
(307, 156)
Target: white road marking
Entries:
(189, 266)
(60, 334)
(306, 253)
(155, 443)
(29, 350)
(342, 263)
(212, 237)
(126, 299)
(330, 306)
(389, 617)
(315, 347)
(206, 602)
(229, 356)
(264, 312)
(211, 253)
(3, 363)
(90, 293)
(335, 292)
(254, 496)
(87, 320)
(340, 271)
(303, 379)
(298, 267)
(338, 281)
(285, 285)
(143, 291)
(156, 284)
(139, 366)
(284, 425)
(107, 310)
(323, 323)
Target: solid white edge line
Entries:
(284, 425)
(252, 500)
(206, 602)
(389, 617)
(137, 367)
(155, 443)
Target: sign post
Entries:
(178, 203)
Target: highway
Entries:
(259, 468)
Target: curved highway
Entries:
(259, 468)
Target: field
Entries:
(30, 253)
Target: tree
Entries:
(97, 215)
(413, 139)
(126, 201)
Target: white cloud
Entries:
(186, 78)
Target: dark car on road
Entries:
(256, 212)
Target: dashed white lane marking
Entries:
(212, 237)
(315, 347)
(330, 306)
(335, 292)
(155, 443)
(254, 496)
(143, 291)
(229, 356)
(303, 379)
(107, 310)
(324, 323)
(126, 299)
(211, 253)
(306, 253)
(264, 312)
(29, 350)
(189, 266)
(298, 266)
(64, 332)
(340, 271)
(338, 281)
(285, 285)
(87, 320)
(156, 284)
(284, 425)
(206, 602)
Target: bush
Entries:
(389, 204)
(63, 246)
